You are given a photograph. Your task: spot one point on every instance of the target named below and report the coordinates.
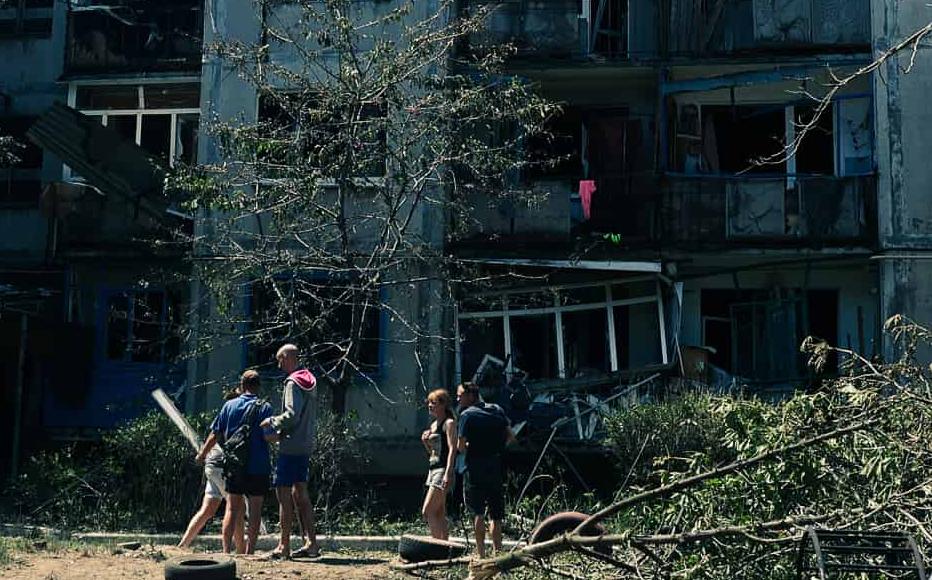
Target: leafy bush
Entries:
(140, 476)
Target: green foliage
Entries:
(140, 476)
(876, 478)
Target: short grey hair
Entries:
(285, 350)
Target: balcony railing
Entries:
(745, 26)
(132, 36)
(790, 210)
(681, 210)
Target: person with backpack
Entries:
(246, 463)
(296, 427)
(214, 492)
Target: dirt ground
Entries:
(78, 563)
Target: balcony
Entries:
(773, 211)
(749, 26)
(134, 36)
(554, 29)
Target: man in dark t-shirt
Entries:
(484, 431)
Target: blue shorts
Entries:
(291, 469)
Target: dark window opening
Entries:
(609, 26)
(186, 138)
(142, 326)
(586, 343)
(26, 18)
(637, 334)
(556, 153)
(534, 346)
(744, 135)
(20, 167)
(125, 125)
(299, 130)
(318, 315)
(816, 153)
(479, 337)
(756, 334)
(155, 135)
(106, 97)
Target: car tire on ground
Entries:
(200, 567)
(421, 548)
(562, 522)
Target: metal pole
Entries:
(18, 394)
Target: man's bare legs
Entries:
(302, 502)
(236, 505)
(479, 525)
(207, 510)
(252, 533)
(285, 518)
(496, 527)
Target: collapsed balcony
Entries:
(128, 35)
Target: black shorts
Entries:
(247, 484)
(486, 493)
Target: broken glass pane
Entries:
(172, 96)
(585, 343)
(479, 337)
(156, 135)
(534, 345)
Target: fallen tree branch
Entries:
(676, 486)
(490, 567)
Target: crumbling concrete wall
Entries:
(903, 119)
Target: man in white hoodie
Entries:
(297, 427)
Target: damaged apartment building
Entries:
(663, 254)
(681, 243)
(102, 96)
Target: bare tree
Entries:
(375, 135)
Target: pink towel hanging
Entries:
(586, 187)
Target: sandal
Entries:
(306, 552)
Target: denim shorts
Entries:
(291, 469)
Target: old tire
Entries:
(200, 567)
(421, 548)
(562, 522)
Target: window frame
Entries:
(131, 293)
(139, 112)
(557, 310)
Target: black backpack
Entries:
(236, 446)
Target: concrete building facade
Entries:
(676, 243)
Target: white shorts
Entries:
(214, 488)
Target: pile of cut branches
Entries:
(856, 455)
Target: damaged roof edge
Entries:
(608, 265)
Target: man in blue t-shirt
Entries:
(253, 482)
(484, 431)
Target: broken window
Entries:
(756, 333)
(162, 118)
(20, 176)
(26, 18)
(316, 313)
(566, 332)
(134, 35)
(298, 129)
(744, 135)
(141, 326)
(816, 152)
(608, 27)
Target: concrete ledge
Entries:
(265, 542)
